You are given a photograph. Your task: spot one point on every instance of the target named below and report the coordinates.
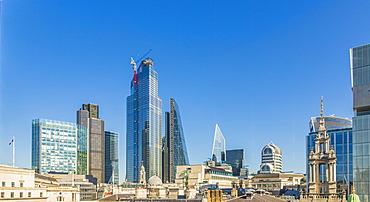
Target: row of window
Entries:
(2, 194)
(3, 184)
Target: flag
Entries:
(11, 142)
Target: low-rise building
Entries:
(203, 174)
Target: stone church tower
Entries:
(322, 161)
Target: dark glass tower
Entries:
(111, 157)
(235, 158)
(174, 146)
(144, 124)
(96, 146)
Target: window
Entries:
(29, 194)
(13, 184)
(21, 195)
(40, 194)
(21, 184)
(2, 194)
(3, 184)
(11, 194)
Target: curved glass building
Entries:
(331, 123)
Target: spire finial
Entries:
(322, 106)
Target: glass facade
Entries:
(219, 146)
(235, 158)
(54, 145)
(82, 149)
(331, 123)
(144, 124)
(174, 146)
(341, 141)
(111, 157)
(360, 78)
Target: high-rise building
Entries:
(144, 124)
(88, 116)
(174, 146)
(341, 140)
(235, 158)
(272, 159)
(111, 157)
(360, 79)
(54, 145)
(219, 146)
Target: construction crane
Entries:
(133, 63)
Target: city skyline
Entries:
(250, 67)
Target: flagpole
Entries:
(13, 144)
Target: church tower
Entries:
(322, 161)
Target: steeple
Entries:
(322, 121)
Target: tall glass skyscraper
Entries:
(54, 145)
(360, 78)
(144, 124)
(235, 157)
(111, 157)
(219, 146)
(174, 146)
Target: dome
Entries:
(155, 180)
(267, 149)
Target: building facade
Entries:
(235, 158)
(331, 123)
(88, 116)
(341, 141)
(272, 159)
(54, 145)
(144, 123)
(111, 157)
(174, 146)
(360, 79)
(219, 146)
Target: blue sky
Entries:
(256, 68)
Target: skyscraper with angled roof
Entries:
(144, 123)
(174, 146)
(219, 146)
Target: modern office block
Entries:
(235, 158)
(360, 79)
(96, 145)
(340, 134)
(144, 124)
(219, 146)
(111, 157)
(54, 145)
(272, 159)
(174, 146)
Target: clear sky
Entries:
(256, 68)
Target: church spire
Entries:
(322, 121)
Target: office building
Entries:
(111, 157)
(144, 123)
(54, 145)
(360, 80)
(322, 167)
(219, 146)
(272, 159)
(174, 146)
(235, 158)
(341, 141)
(88, 116)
